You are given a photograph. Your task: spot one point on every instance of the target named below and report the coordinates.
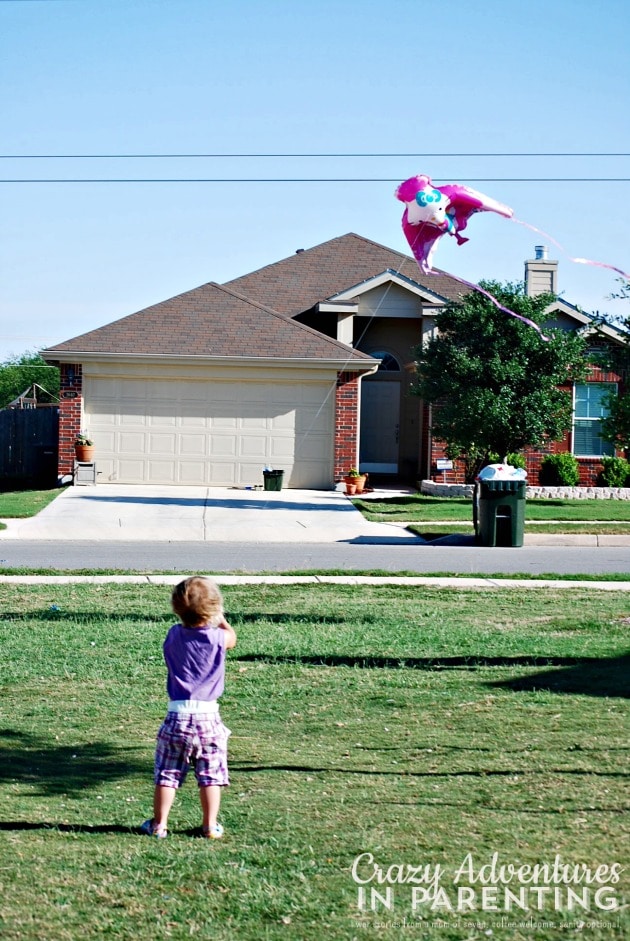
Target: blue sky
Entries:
(335, 76)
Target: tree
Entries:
(493, 381)
(615, 427)
(18, 373)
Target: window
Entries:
(389, 363)
(588, 410)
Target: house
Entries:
(304, 365)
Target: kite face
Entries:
(432, 211)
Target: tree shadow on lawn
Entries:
(590, 676)
(67, 827)
(593, 677)
(470, 661)
(62, 769)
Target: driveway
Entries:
(203, 514)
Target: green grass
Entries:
(414, 724)
(18, 504)
(417, 508)
(432, 530)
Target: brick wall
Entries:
(346, 423)
(70, 414)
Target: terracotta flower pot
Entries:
(357, 482)
(351, 489)
(84, 453)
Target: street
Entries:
(286, 557)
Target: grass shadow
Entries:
(471, 662)
(601, 677)
(67, 827)
(62, 769)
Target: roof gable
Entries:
(210, 321)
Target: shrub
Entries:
(615, 472)
(517, 459)
(560, 470)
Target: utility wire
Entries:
(264, 155)
(320, 180)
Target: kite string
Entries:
(498, 304)
(579, 261)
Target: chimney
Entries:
(541, 274)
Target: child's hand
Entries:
(230, 640)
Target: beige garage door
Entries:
(219, 433)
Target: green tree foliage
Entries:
(18, 373)
(616, 426)
(492, 379)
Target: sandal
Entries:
(150, 829)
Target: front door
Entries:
(380, 426)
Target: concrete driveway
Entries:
(203, 514)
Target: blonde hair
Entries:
(197, 601)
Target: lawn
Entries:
(418, 508)
(18, 504)
(424, 727)
(598, 517)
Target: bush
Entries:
(615, 472)
(560, 470)
(517, 459)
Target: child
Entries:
(192, 731)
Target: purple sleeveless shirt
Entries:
(195, 660)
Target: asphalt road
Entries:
(283, 557)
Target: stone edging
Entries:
(433, 489)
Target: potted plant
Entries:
(84, 449)
(356, 480)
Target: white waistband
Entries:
(192, 705)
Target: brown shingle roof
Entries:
(211, 320)
(300, 281)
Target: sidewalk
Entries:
(462, 582)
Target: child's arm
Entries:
(230, 640)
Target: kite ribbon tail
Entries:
(577, 261)
(500, 306)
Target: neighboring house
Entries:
(304, 365)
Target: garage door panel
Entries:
(223, 446)
(131, 442)
(162, 444)
(192, 472)
(192, 445)
(314, 420)
(132, 471)
(161, 472)
(253, 446)
(222, 474)
(256, 422)
(213, 433)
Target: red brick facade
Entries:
(70, 414)
(589, 467)
(346, 423)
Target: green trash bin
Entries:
(273, 479)
(499, 512)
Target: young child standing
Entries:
(192, 732)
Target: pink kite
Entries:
(433, 211)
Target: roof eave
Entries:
(350, 364)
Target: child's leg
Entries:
(210, 797)
(163, 798)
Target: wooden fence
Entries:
(29, 446)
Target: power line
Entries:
(294, 155)
(318, 180)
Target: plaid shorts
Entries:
(197, 738)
